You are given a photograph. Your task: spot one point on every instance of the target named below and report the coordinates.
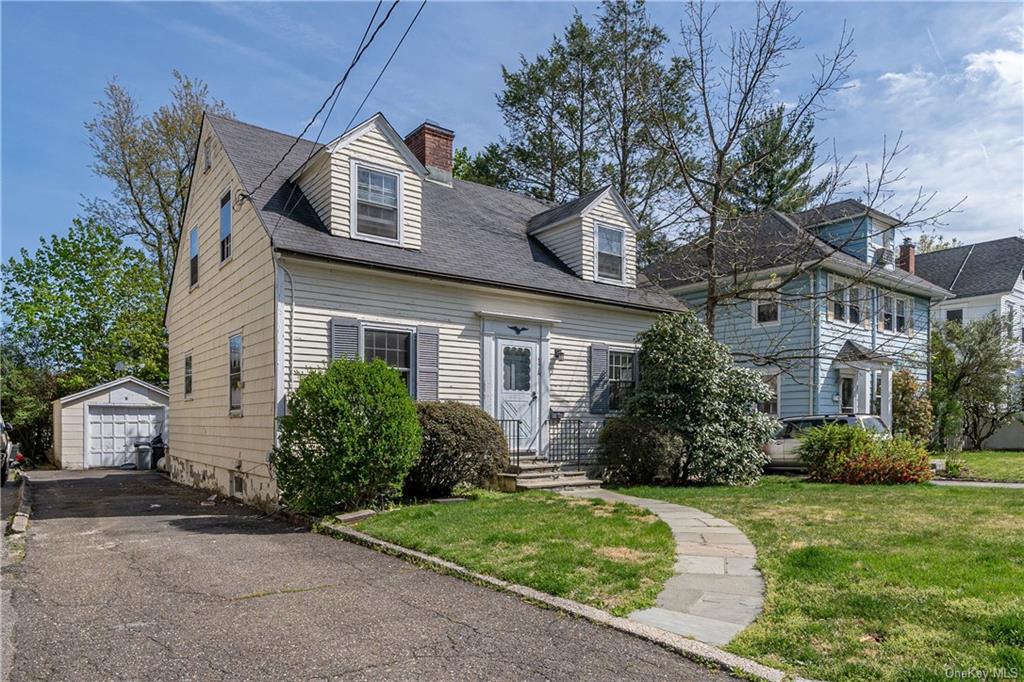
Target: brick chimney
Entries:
(432, 145)
(906, 259)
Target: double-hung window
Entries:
(188, 376)
(901, 315)
(955, 315)
(771, 405)
(235, 374)
(376, 214)
(225, 227)
(846, 301)
(839, 291)
(621, 378)
(610, 250)
(888, 313)
(853, 308)
(193, 256)
(394, 347)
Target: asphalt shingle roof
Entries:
(563, 211)
(975, 269)
(470, 232)
(774, 240)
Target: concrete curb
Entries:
(23, 507)
(690, 648)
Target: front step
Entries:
(534, 473)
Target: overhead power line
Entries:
(334, 92)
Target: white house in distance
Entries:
(99, 427)
(367, 248)
(987, 279)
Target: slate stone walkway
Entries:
(976, 484)
(716, 591)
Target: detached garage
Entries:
(99, 427)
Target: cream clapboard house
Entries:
(366, 248)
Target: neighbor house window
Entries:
(621, 378)
(955, 315)
(235, 373)
(225, 227)
(1011, 321)
(610, 243)
(853, 306)
(377, 204)
(838, 299)
(393, 347)
(771, 405)
(888, 313)
(766, 308)
(901, 315)
(207, 156)
(188, 376)
(846, 301)
(193, 256)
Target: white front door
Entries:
(114, 430)
(518, 389)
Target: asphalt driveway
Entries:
(128, 576)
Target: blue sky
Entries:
(949, 75)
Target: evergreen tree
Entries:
(775, 163)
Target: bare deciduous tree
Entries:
(149, 159)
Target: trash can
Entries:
(143, 456)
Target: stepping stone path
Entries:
(716, 591)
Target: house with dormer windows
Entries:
(297, 253)
(818, 302)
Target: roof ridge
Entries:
(259, 127)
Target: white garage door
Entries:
(114, 430)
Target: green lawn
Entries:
(994, 465)
(614, 557)
(879, 582)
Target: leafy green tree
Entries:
(87, 309)
(776, 158)
(692, 388)
(148, 158)
(972, 368)
(936, 242)
(26, 390)
(911, 409)
(487, 167)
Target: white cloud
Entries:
(917, 83)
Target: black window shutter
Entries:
(427, 347)
(599, 379)
(344, 338)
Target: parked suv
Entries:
(782, 450)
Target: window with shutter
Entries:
(599, 389)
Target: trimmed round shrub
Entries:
(349, 439)
(462, 445)
(634, 450)
(839, 453)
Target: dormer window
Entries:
(377, 210)
(610, 263)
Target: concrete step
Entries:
(557, 483)
(525, 467)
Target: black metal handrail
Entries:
(565, 442)
(513, 429)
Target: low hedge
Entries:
(348, 440)
(636, 451)
(839, 453)
(462, 445)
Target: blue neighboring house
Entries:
(818, 302)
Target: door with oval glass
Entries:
(518, 389)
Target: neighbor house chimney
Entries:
(906, 259)
(432, 145)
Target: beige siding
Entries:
(373, 148)
(206, 443)
(322, 291)
(72, 428)
(607, 212)
(566, 242)
(315, 184)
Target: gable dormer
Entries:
(856, 229)
(367, 185)
(595, 235)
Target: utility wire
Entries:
(386, 65)
(334, 91)
(289, 208)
